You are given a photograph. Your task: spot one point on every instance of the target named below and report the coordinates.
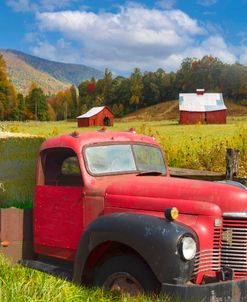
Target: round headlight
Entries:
(188, 248)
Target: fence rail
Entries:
(232, 166)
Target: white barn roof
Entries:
(93, 111)
(201, 103)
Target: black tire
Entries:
(132, 269)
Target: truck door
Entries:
(58, 210)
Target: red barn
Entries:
(200, 107)
(97, 116)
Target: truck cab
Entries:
(105, 202)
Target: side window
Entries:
(61, 168)
(70, 166)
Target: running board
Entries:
(55, 270)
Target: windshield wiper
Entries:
(150, 173)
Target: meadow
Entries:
(191, 146)
(20, 284)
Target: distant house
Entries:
(96, 116)
(201, 107)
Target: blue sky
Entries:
(122, 35)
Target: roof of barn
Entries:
(201, 103)
(93, 111)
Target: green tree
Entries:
(118, 110)
(234, 81)
(151, 89)
(184, 76)
(21, 107)
(37, 103)
(107, 92)
(121, 93)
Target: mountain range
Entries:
(24, 69)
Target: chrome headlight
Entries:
(188, 248)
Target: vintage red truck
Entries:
(104, 202)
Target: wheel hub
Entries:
(124, 283)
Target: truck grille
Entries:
(229, 249)
(234, 245)
(209, 260)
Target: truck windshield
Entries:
(107, 159)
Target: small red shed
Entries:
(96, 116)
(201, 107)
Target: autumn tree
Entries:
(136, 87)
(62, 105)
(73, 105)
(87, 95)
(8, 99)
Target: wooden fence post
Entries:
(232, 163)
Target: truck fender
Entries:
(156, 240)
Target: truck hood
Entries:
(156, 193)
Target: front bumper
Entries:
(224, 291)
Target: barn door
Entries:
(106, 121)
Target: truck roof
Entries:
(77, 141)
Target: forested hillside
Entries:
(65, 72)
(125, 95)
(23, 75)
(139, 90)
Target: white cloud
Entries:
(207, 2)
(241, 51)
(19, 5)
(41, 5)
(135, 36)
(214, 45)
(166, 4)
(243, 57)
(31, 37)
(59, 51)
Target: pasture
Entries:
(191, 146)
(19, 284)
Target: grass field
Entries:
(19, 284)
(192, 146)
